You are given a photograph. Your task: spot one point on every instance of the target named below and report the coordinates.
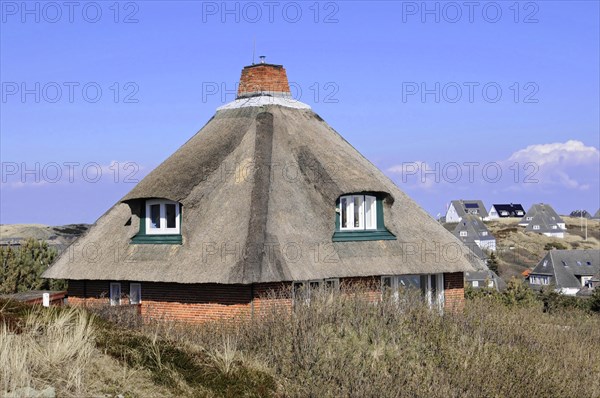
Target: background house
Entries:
(505, 211)
(541, 218)
(567, 271)
(543, 223)
(459, 208)
(472, 230)
(473, 233)
(546, 210)
(580, 213)
(265, 197)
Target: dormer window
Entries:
(536, 227)
(160, 222)
(358, 212)
(162, 217)
(463, 233)
(529, 218)
(360, 217)
(484, 233)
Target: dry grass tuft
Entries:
(52, 348)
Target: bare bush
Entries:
(343, 344)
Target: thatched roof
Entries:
(245, 222)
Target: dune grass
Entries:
(346, 346)
(47, 349)
(339, 345)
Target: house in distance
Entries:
(567, 271)
(505, 211)
(265, 197)
(542, 219)
(580, 214)
(459, 208)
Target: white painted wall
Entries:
(560, 235)
(452, 215)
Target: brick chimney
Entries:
(263, 79)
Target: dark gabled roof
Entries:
(545, 223)
(580, 213)
(509, 210)
(464, 207)
(544, 209)
(475, 228)
(483, 275)
(597, 214)
(566, 265)
(275, 224)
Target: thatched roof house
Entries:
(265, 194)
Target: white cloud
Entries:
(568, 153)
(571, 164)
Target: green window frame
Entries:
(143, 237)
(379, 233)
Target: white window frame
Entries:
(463, 233)
(115, 293)
(528, 218)
(536, 227)
(368, 206)
(135, 289)
(433, 302)
(163, 230)
(484, 233)
(585, 280)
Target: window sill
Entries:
(352, 236)
(157, 239)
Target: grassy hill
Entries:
(58, 237)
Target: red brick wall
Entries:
(454, 291)
(263, 77)
(203, 302)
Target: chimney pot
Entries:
(263, 79)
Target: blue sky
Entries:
(438, 95)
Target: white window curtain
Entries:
(115, 294)
(135, 293)
(358, 212)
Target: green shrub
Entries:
(595, 300)
(21, 267)
(555, 245)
